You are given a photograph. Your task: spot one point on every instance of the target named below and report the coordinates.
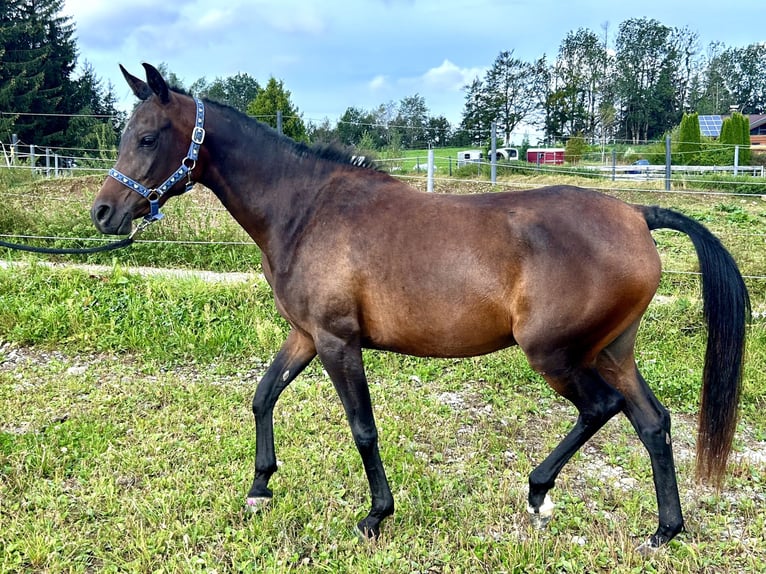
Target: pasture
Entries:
(127, 441)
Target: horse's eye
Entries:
(148, 141)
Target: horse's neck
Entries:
(263, 183)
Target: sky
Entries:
(334, 54)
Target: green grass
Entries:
(196, 234)
(127, 442)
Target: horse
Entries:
(358, 259)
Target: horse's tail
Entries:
(726, 307)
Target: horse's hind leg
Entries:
(296, 352)
(596, 402)
(652, 423)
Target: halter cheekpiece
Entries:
(187, 165)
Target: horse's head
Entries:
(154, 144)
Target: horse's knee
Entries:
(654, 432)
(365, 435)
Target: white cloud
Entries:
(449, 76)
(378, 83)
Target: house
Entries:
(758, 131)
(710, 126)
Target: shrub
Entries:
(689, 138)
(575, 149)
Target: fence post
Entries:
(614, 164)
(14, 148)
(32, 158)
(736, 160)
(47, 162)
(493, 153)
(430, 172)
(667, 163)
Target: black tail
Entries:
(726, 306)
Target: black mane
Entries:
(328, 152)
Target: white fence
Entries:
(659, 171)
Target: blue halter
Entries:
(187, 165)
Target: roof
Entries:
(757, 120)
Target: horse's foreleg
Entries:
(343, 361)
(296, 352)
(596, 402)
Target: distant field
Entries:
(409, 160)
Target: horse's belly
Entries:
(449, 333)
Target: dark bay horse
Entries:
(356, 259)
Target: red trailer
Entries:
(546, 155)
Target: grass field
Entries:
(127, 442)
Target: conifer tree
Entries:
(38, 58)
(689, 140)
(744, 140)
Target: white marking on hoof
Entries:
(546, 509)
(542, 516)
(257, 503)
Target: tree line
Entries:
(635, 88)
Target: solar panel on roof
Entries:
(710, 126)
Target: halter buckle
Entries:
(198, 135)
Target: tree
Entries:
(412, 120)
(578, 77)
(689, 143)
(477, 115)
(236, 91)
(744, 138)
(739, 74)
(512, 86)
(727, 139)
(735, 131)
(322, 132)
(353, 124)
(38, 58)
(575, 149)
(651, 61)
(97, 125)
(714, 96)
(508, 95)
(53, 105)
(439, 131)
(272, 99)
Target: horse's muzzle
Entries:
(110, 221)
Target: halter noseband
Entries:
(187, 165)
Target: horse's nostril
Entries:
(101, 212)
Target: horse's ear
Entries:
(157, 83)
(140, 88)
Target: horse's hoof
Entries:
(542, 516)
(254, 504)
(368, 531)
(647, 549)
